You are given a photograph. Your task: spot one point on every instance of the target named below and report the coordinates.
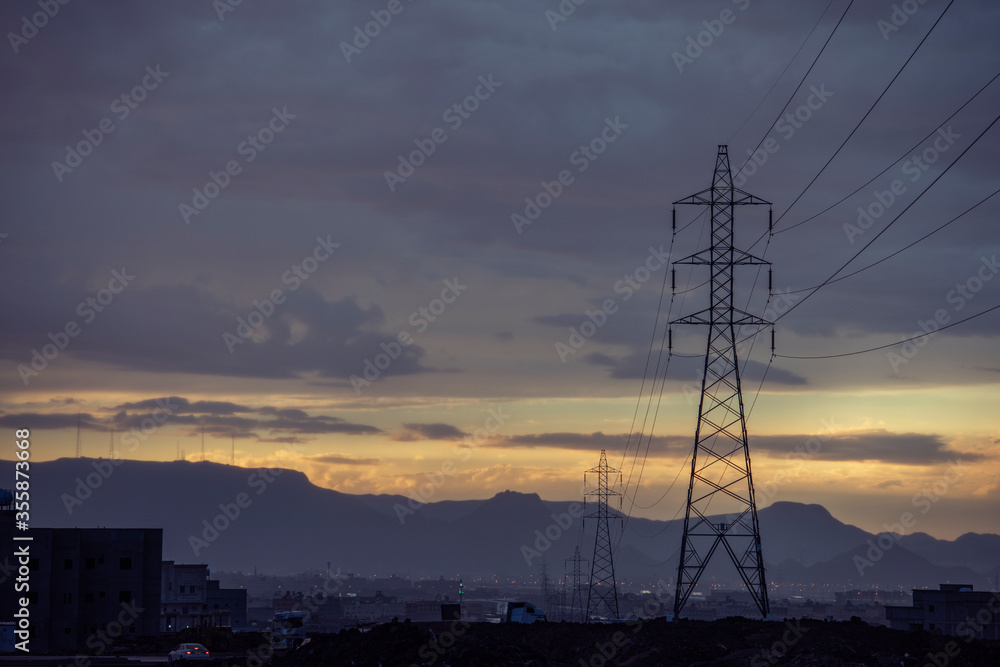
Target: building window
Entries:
(89, 563)
(125, 563)
(125, 596)
(33, 564)
(88, 597)
(930, 608)
(67, 598)
(101, 595)
(66, 631)
(68, 564)
(100, 559)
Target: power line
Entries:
(778, 80)
(906, 247)
(872, 179)
(870, 109)
(801, 82)
(899, 342)
(891, 223)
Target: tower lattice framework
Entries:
(721, 507)
(575, 579)
(602, 600)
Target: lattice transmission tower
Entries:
(721, 507)
(602, 600)
(574, 579)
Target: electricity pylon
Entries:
(575, 577)
(603, 595)
(720, 462)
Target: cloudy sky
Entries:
(356, 239)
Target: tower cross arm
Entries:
(745, 198)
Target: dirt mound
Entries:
(732, 641)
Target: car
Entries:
(188, 653)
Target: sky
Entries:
(423, 247)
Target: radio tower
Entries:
(575, 577)
(603, 596)
(112, 453)
(720, 463)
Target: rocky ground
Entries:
(733, 641)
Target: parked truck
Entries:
(523, 612)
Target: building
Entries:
(953, 609)
(190, 599)
(323, 612)
(88, 587)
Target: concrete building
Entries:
(953, 609)
(89, 587)
(190, 599)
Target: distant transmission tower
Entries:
(79, 440)
(576, 596)
(603, 596)
(232, 455)
(720, 463)
(112, 452)
(202, 442)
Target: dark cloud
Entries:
(590, 442)
(875, 445)
(213, 418)
(38, 420)
(339, 459)
(179, 406)
(437, 431)
(324, 174)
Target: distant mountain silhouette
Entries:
(287, 524)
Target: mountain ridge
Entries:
(278, 521)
